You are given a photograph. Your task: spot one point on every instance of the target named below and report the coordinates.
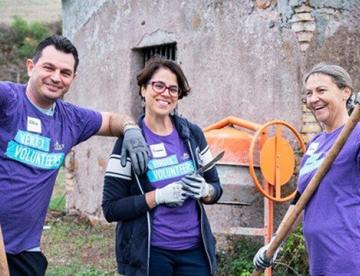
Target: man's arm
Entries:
(7, 96)
(113, 124)
(134, 144)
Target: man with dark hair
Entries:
(37, 130)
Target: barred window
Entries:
(166, 50)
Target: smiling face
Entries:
(50, 77)
(160, 104)
(326, 100)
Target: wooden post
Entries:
(4, 269)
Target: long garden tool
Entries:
(287, 225)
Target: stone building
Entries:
(243, 58)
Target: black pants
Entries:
(190, 262)
(27, 264)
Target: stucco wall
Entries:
(243, 58)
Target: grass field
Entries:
(45, 11)
(73, 246)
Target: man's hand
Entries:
(134, 145)
(261, 261)
(196, 186)
(172, 194)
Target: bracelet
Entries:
(128, 125)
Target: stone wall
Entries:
(243, 58)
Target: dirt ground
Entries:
(74, 247)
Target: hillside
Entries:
(14, 42)
(17, 43)
(46, 11)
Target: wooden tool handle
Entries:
(4, 269)
(283, 232)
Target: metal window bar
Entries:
(167, 50)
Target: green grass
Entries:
(237, 261)
(72, 245)
(77, 270)
(57, 202)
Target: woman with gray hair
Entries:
(331, 219)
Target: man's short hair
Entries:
(60, 43)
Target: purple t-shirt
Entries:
(332, 217)
(32, 148)
(174, 228)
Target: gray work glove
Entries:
(172, 194)
(196, 186)
(260, 260)
(134, 145)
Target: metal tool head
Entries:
(211, 163)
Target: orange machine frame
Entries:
(275, 149)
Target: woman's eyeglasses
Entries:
(160, 87)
